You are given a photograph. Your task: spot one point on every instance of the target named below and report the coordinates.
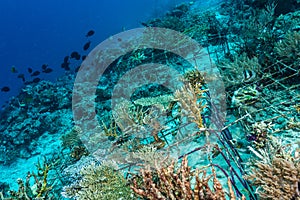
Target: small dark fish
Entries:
(48, 70)
(65, 66)
(144, 24)
(75, 55)
(36, 73)
(44, 66)
(29, 70)
(66, 59)
(22, 76)
(83, 57)
(5, 89)
(36, 80)
(13, 69)
(87, 45)
(90, 33)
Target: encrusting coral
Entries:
(172, 183)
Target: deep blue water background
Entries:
(35, 32)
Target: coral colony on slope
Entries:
(163, 143)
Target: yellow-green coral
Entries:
(41, 188)
(99, 182)
(163, 100)
(191, 99)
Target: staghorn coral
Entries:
(276, 172)
(130, 118)
(191, 99)
(99, 182)
(139, 121)
(111, 130)
(71, 138)
(194, 77)
(297, 108)
(289, 48)
(148, 155)
(171, 183)
(288, 22)
(41, 189)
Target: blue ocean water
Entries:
(35, 32)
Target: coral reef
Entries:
(261, 132)
(257, 53)
(172, 183)
(276, 172)
(288, 49)
(191, 99)
(241, 70)
(39, 109)
(71, 140)
(41, 189)
(99, 182)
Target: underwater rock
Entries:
(37, 110)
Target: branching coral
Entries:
(130, 118)
(289, 48)
(148, 155)
(276, 172)
(41, 189)
(172, 183)
(191, 100)
(139, 121)
(99, 182)
(71, 138)
(194, 77)
(163, 100)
